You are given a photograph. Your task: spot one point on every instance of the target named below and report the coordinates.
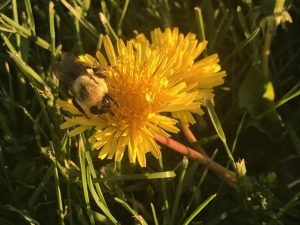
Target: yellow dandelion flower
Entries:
(182, 52)
(149, 83)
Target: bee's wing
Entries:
(97, 70)
(68, 69)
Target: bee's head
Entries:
(103, 106)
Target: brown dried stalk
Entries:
(221, 171)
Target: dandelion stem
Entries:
(221, 171)
(191, 137)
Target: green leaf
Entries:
(252, 90)
(256, 95)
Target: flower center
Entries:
(137, 94)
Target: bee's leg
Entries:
(79, 107)
(114, 103)
(98, 71)
(100, 74)
(113, 100)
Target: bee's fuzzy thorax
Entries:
(85, 83)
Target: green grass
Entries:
(48, 178)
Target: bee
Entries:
(85, 83)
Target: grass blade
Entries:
(84, 181)
(82, 20)
(34, 197)
(23, 214)
(16, 21)
(98, 200)
(108, 28)
(204, 174)
(241, 45)
(154, 214)
(94, 176)
(122, 17)
(25, 32)
(179, 190)
(143, 176)
(5, 177)
(58, 191)
(30, 16)
(216, 122)
(200, 23)
(164, 194)
(4, 4)
(52, 31)
(131, 211)
(198, 210)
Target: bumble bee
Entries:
(85, 83)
